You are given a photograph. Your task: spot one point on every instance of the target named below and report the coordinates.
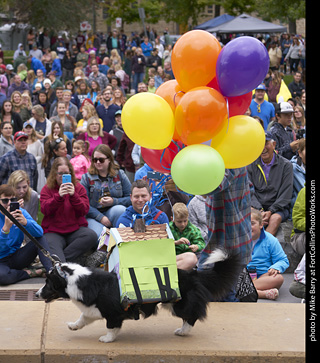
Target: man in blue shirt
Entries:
(140, 195)
(107, 110)
(262, 108)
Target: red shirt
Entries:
(63, 214)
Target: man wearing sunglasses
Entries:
(19, 159)
(261, 107)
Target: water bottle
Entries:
(252, 272)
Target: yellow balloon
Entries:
(240, 141)
(148, 120)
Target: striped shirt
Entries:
(228, 212)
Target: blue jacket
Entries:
(119, 187)
(268, 253)
(37, 64)
(299, 178)
(56, 66)
(10, 243)
(127, 217)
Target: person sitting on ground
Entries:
(268, 258)
(286, 144)
(108, 190)
(14, 259)
(298, 234)
(298, 286)
(188, 238)
(64, 206)
(197, 215)
(26, 196)
(272, 179)
(140, 196)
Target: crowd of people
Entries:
(61, 112)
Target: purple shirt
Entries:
(266, 167)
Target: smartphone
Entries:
(14, 206)
(66, 178)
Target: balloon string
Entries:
(174, 97)
(228, 114)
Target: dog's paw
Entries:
(184, 330)
(108, 338)
(74, 326)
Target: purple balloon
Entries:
(242, 65)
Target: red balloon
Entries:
(238, 105)
(161, 160)
(214, 84)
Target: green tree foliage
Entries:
(50, 14)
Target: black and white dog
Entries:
(96, 293)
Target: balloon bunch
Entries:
(194, 126)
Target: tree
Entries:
(285, 10)
(50, 14)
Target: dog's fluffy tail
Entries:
(220, 274)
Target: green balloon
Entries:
(197, 169)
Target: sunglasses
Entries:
(63, 173)
(101, 160)
(258, 108)
(6, 200)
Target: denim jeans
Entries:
(11, 267)
(112, 213)
(137, 78)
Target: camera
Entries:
(14, 206)
(300, 134)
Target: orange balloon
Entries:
(200, 114)
(172, 93)
(194, 59)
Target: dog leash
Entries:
(46, 253)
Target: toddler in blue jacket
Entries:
(268, 258)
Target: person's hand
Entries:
(21, 203)
(194, 248)
(66, 188)
(106, 221)
(17, 214)
(294, 145)
(106, 201)
(265, 217)
(273, 272)
(182, 241)
(7, 223)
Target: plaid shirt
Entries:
(12, 161)
(228, 210)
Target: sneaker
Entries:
(272, 294)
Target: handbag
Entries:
(245, 289)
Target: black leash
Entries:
(23, 230)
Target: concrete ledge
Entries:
(241, 332)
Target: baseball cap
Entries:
(20, 135)
(118, 112)
(27, 123)
(268, 136)
(10, 67)
(284, 107)
(261, 86)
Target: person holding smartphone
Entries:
(64, 204)
(14, 259)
